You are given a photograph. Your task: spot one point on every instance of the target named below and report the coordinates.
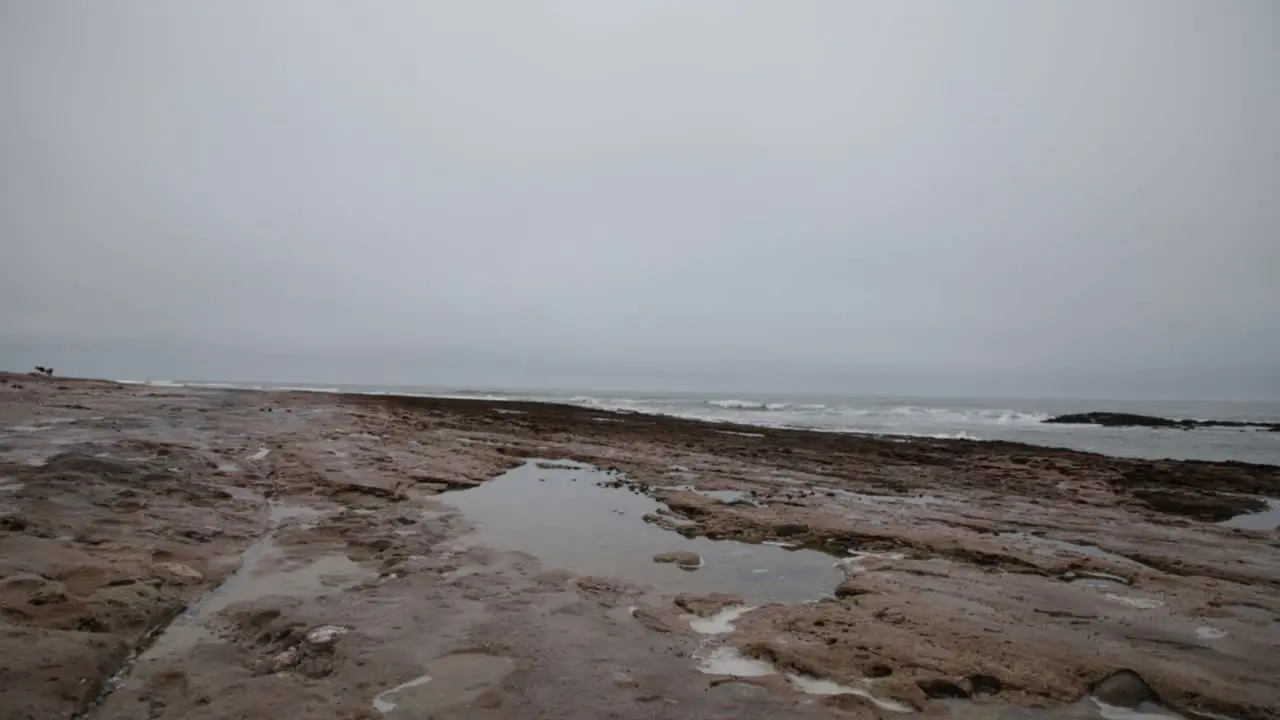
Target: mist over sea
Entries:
(1013, 419)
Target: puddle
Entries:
(450, 682)
(728, 661)
(256, 578)
(1264, 520)
(562, 516)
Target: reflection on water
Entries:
(1264, 520)
(567, 519)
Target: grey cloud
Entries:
(990, 197)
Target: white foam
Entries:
(262, 453)
(384, 706)
(1210, 633)
(819, 686)
(728, 661)
(721, 622)
(741, 404)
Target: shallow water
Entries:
(1264, 520)
(449, 682)
(564, 518)
(1087, 708)
(253, 581)
(726, 660)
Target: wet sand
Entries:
(188, 553)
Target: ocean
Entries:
(1013, 419)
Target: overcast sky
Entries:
(1076, 197)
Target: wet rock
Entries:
(851, 588)
(1124, 688)
(983, 684)
(790, 529)
(1207, 506)
(877, 670)
(1114, 419)
(393, 494)
(683, 559)
(13, 522)
(706, 605)
(941, 688)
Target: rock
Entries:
(1114, 419)
(941, 688)
(284, 660)
(1204, 505)
(851, 588)
(13, 522)
(706, 605)
(326, 635)
(983, 684)
(683, 559)
(856, 704)
(179, 573)
(1124, 688)
(654, 620)
(790, 529)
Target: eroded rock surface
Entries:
(315, 577)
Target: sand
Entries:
(199, 553)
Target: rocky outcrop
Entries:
(1115, 419)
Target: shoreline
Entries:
(517, 539)
(1049, 420)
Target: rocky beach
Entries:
(171, 552)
